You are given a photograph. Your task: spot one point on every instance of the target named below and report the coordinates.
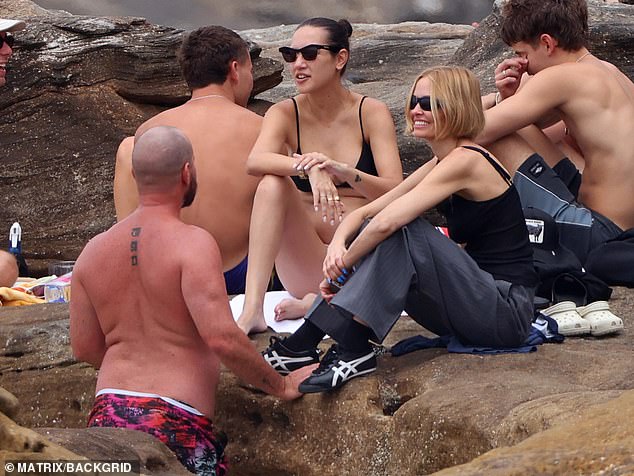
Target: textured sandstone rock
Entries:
(118, 444)
(9, 404)
(21, 443)
(417, 414)
(599, 440)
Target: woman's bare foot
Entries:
(252, 323)
(293, 308)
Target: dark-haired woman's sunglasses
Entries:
(424, 102)
(8, 39)
(309, 52)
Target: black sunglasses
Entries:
(8, 39)
(309, 52)
(424, 102)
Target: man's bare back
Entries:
(153, 343)
(222, 134)
(218, 69)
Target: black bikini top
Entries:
(364, 164)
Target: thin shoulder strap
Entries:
(360, 119)
(496, 166)
(299, 148)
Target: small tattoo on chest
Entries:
(134, 246)
(357, 178)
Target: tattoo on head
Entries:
(357, 178)
(134, 246)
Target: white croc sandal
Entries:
(569, 321)
(601, 319)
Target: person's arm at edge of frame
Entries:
(87, 339)
(204, 292)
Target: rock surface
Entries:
(417, 414)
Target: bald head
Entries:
(159, 156)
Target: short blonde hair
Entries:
(455, 101)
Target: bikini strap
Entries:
(360, 119)
(299, 148)
(496, 166)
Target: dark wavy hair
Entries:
(564, 20)
(339, 32)
(206, 53)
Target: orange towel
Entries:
(11, 297)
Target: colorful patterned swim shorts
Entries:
(189, 435)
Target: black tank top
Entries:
(364, 164)
(494, 231)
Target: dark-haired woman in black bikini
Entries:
(321, 155)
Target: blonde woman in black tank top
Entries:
(348, 158)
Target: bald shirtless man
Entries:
(8, 264)
(216, 65)
(150, 311)
(596, 103)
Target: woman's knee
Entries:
(273, 187)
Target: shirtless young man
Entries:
(158, 346)
(596, 103)
(8, 264)
(217, 67)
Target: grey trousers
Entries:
(419, 270)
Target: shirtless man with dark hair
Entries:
(216, 65)
(596, 103)
(150, 311)
(8, 264)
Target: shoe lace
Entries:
(329, 359)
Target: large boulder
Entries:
(417, 414)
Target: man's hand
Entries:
(508, 75)
(292, 381)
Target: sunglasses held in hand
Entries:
(309, 52)
(424, 102)
(8, 39)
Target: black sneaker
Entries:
(336, 368)
(284, 360)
